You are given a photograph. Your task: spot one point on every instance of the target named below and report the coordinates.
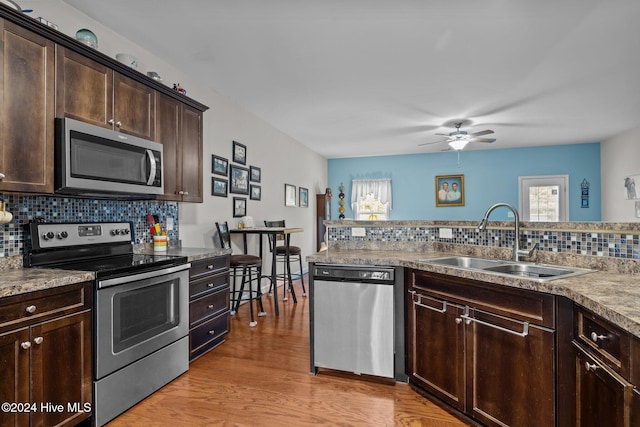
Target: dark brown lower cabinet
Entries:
(486, 350)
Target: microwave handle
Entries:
(152, 172)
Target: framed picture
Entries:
(219, 165)
(449, 190)
(219, 187)
(303, 197)
(289, 195)
(256, 192)
(239, 207)
(239, 177)
(239, 153)
(255, 174)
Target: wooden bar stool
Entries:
(251, 274)
(295, 253)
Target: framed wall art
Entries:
(239, 207)
(449, 190)
(303, 197)
(289, 195)
(219, 187)
(256, 192)
(219, 165)
(239, 177)
(239, 153)
(255, 174)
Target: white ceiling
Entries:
(376, 77)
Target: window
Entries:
(371, 199)
(544, 198)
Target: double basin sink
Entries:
(537, 272)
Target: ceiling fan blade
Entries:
(483, 140)
(430, 143)
(482, 132)
(442, 134)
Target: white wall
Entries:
(281, 158)
(619, 157)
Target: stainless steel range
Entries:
(140, 317)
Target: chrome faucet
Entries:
(516, 243)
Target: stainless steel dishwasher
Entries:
(354, 320)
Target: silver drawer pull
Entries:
(212, 332)
(210, 285)
(210, 306)
(590, 367)
(26, 345)
(595, 337)
(31, 309)
(38, 340)
(210, 266)
(419, 303)
(525, 326)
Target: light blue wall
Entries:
(490, 176)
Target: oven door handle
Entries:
(141, 276)
(152, 172)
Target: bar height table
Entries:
(273, 231)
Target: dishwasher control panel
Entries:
(370, 274)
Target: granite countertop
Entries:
(614, 296)
(22, 280)
(192, 254)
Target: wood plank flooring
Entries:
(260, 377)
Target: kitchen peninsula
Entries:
(591, 322)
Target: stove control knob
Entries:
(48, 236)
(125, 231)
(115, 232)
(63, 235)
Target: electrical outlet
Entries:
(445, 233)
(358, 232)
(169, 223)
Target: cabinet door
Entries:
(61, 368)
(602, 396)
(26, 110)
(14, 376)
(134, 107)
(436, 347)
(168, 134)
(510, 371)
(191, 143)
(635, 408)
(84, 89)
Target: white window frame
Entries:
(562, 181)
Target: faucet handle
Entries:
(530, 252)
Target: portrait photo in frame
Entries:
(219, 165)
(256, 192)
(303, 197)
(289, 195)
(239, 207)
(449, 190)
(239, 180)
(239, 153)
(255, 174)
(219, 187)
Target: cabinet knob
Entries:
(111, 121)
(595, 337)
(212, 332)
(181, 192)
(458, 320)
(118, 123)
(31, 309)
(1, 176)
(210, 306)
(590, 366)
(210, 267)
(186, 193)
(26, 345)
(38, 340)
(210, 285)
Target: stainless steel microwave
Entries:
(94, 161)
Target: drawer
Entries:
(608, 342)
(208, 306)
(203, 285)
(211, 330)
(208, 266)
(33, 307)
(528, 306)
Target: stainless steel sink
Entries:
(537, 272)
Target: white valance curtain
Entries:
(380, 188)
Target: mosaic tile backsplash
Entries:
(624, 245)
(69, 209)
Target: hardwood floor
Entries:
(260, 377)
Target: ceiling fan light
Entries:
(458, 144)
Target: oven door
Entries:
(139, 314)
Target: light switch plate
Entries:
(358, 232)
(169, 223)
(445, 233)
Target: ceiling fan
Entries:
(459, 139)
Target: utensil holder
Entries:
(160, 243)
